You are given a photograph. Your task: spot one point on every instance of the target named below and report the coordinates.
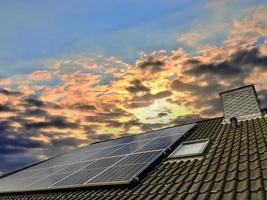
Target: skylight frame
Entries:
(199, 153)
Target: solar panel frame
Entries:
(99, 146)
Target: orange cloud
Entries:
(40, 75)
(100, 97)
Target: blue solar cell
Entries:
(105, 162)
(18, 183)
(140, 158)
(47, 181)
(118, 174)
(159, 143)
(152, 134)
(129, 148)
(178, 130)
(74, 167)
(78, 178)
(110, 162)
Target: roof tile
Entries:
(217, 186)
(257, 195)
(255, 174)
(234, 167)
(242, 195)
(255, 185)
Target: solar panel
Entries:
(118, 161)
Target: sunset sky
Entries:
(77, 71)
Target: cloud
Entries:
(151, 97)
(9, 92)
(150, 63)
(66, 143)
(102, 137)
(34, 112)
(147, 99)
(194, 88)
(187, 119)
(40, 75)
(104, 97)
(33, 101)
(52, 121)
(190, 39)
(83, 107)
(162, 114)
(262, 96)
(137, 86)
(14, 148)
(235, 67)
(6, 108)
(110, 113)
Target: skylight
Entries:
(192, 148)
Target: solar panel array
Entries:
(118, 161)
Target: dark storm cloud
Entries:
(113, 109)
(147, 99)
(186, 119)
(18, 118)
(137, 86)
(152, 64)
(133, 122)
(83, 107)
(7, 108)
(125, 125)
(110, 112)
(221, 69)
(102, 137)
(181, 87)
(151, 97)
(152, 126)
(208, 100)
(67, 142)
(109, 118)
(33, 101)
(234, 70)
(192, 61)
(196, 89)
(250, 57)
(52, 122)
(9, 92)
(14, 148)
(92, 134)
(211, 107)
(138, 104)
(114, 124)
(35, 112)
(262, 96)
(162, 114)
(238, 65)
(16, 161)
(8, 141)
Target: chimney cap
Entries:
(239, 88)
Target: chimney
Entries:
(240, 104)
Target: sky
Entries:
(74, 72)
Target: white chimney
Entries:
(240, 104)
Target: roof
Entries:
(234, 166)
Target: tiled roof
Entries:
(233, 167)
